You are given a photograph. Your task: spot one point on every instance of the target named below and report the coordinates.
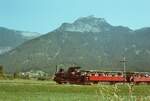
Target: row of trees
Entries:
(39, 75)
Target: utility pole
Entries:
(124, 61)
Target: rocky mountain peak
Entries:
(86, 24)
(90, 20)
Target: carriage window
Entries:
(93, 74)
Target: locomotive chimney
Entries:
(56, 69)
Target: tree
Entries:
(1, 72)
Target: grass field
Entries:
(29, 90)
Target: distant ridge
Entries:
(10, 38)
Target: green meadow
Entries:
(30, 90)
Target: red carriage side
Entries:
(112, 77)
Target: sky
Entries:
(46, 15)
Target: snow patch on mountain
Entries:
(30, 34)
(4, 49)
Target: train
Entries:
(74, 75)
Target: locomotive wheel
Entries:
(59, 82)
(112, 83)
(95, 82)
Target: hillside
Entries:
(89, 42)
(10, 39)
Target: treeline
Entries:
(34, 75)
(1, 72)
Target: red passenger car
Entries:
(142, 77)
(112, 77)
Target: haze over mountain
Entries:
(90, 42)
(10, 39)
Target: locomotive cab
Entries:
(60, 76)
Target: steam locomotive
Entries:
(74, 75)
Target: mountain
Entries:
(87, 24)
(89, 42)
(10, 39)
